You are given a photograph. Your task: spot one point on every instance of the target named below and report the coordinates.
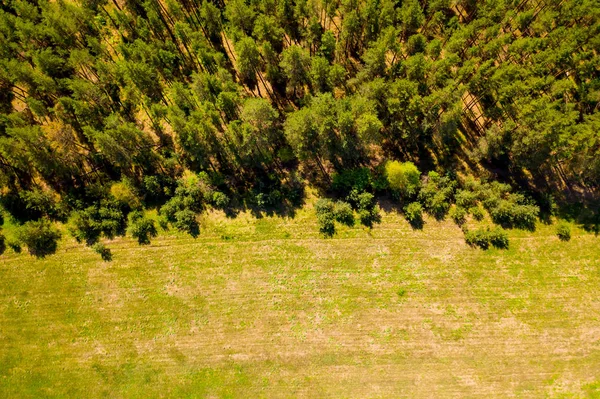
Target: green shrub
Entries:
(563, 231)
(368, 210)
(465, 198)
(483, 238)
(459, 215)
(220, 200)
(498, 238)
(477, 238)
(40, 237)
(508, 213)
(103, 251)
(185, 220)
(141, 227)
(414, 214)
(403, 178)
(343, 213)
(477, 212)
(83, 227)
(324, 208)
(436, 194)
(369, 217)
(354, 179)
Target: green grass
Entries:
(268, 308)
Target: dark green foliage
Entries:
(511, 213)
(465, 198)
(498, 238)
(185, 220)
(343, 213)
(436, 194)
(414, 214)
(477, 212)
(484, 237)
(103, 251)
(368, 210)
(325, 216)
(563, 231)
(458, 215)
(354, 179)
(114, 100)
(478, 238)
(40, 237)
(220, 200)
(89, 224)
(141, 228)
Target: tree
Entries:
(141, 227)
(40, 237)
(404, 178)
(295, 64)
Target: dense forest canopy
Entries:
(109, 107)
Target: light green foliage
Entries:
(403, 178)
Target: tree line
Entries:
(111, 107)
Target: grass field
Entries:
(267, 308)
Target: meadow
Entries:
(266, 307)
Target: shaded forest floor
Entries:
(267, 308)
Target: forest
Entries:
(454, 108)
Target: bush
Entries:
(482, 238)
(103, 251)
(185, 220)
(220, 200)
(459, 215)
(477, 212)
(355, 179)
(84, 228)
(124, 193)
(325, 216)
(368, 211)
(563, 231)
(403, 178)
(436, 194)
(141, 227)
(477, 238)
(89, 224)
(343, 213)
(498, 238)
(465, 199)
(40, 237)
(369, 217)
(509, 214)
(414, 214)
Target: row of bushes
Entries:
(435, 194)
(329, 212)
